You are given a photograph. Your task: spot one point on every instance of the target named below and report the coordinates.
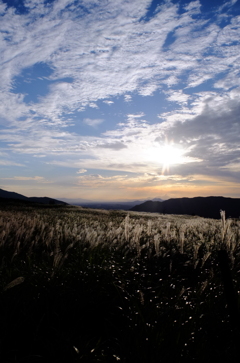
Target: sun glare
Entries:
(166, 155)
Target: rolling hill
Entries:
(4, 195)
(208, 207)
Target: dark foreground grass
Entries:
(109, 304)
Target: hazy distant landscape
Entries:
(91, 285)
(208, 207)
(124, 205)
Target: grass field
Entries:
(82, 285)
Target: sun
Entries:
(166, 155)
(171, 155)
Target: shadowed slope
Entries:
(208, 207)
(44, 200)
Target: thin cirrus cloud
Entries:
(79, 97)
(92, 122)
(25, 178)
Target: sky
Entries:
(120, 99)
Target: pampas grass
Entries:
(93, 285)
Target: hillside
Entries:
(207, 207)
(4, 195)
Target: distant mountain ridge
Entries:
(44, 200)
(75, 201)
(114, 205)
(207, 207)
(123, 205)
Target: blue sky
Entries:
(120, 99)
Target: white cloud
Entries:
(93, 105)
(133, 116)
(193, 6)
(127, 98)
(108, 102)
(148, 90)
(178, 96)
(81, 171)
(227, 4)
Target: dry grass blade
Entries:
(15, 282)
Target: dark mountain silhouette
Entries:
(115, 205)
(12, 195)
(208, 207)
(44, 200)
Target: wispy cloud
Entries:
(114, 146)
(127, 98)
(81, 171)
(108, 102)
(130, 182)
(9, 163)
(92, 122)
(137, 115)
(25, 178)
